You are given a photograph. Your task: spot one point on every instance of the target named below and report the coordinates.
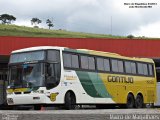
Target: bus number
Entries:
(150, 82)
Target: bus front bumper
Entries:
(26, 99)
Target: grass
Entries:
(23, 31)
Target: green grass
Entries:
(22, 31)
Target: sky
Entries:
(91, 16)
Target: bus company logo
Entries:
(9, 117)
(53, 96)
(120, 79)
(70, 77)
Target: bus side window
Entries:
(150, 69)
(140, 68)
(106, 65)
(103, 64)
(70, 61)
(53, 56)
(117, 66)
(91, 63)
(84, 62)
(120, 66)
(67, 60)
(100, 64)
(74, 61)
(133, 68)
(145, 69)
(128, 67)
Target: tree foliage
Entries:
(35, 21)
(130, 36)
(49, 23)
(7, 19)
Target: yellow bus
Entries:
(47, 75)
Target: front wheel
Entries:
(70, 101)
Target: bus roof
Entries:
(37, 48)
(92, 52)
(115, 55)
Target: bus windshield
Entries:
(26, 75)
(28, 56)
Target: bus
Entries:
(50, 75)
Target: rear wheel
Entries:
(130, 101)
(139, 101)
(70, 101)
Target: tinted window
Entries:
(75, 62)
(120, 66)
(140, 68)
(133, 67)
(117, 66)
(128, 67)
(106, 65)
(100, 65)
(84, 62)
(28, 56)
(53, 55)
(150, 69)
(114, 65)
(91, 63)
(67, 60)
(145, 69)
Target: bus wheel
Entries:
(130, 101)
(139, 101)
(70, 101)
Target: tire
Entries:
(130, 101)
(70, 101)
(139, 101)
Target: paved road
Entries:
(91, 114)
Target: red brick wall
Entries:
(127, 47)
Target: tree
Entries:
(35, 21)
(130, 36)
(7, 19)
(49, 23)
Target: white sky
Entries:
(92, 16)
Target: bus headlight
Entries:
(10, 101)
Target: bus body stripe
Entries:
(93, 85)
